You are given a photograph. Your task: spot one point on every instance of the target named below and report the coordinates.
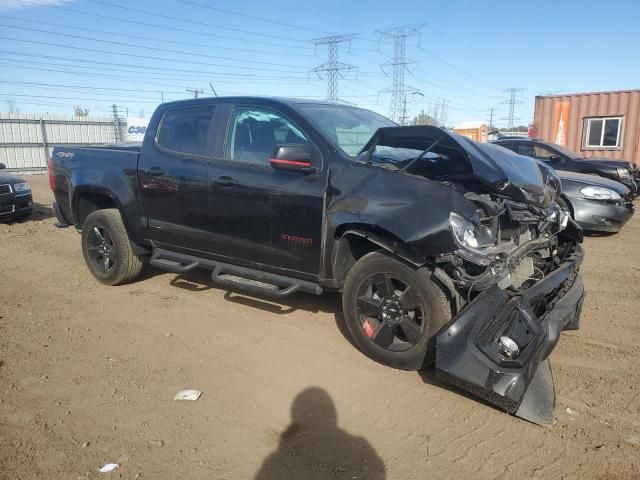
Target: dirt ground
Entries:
(88, 374)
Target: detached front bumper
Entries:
(469, 354)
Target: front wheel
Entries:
(393, 311)
(107, 250)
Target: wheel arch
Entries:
(566, 200)
(353, 241)
(87, 200)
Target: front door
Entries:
(273, 217)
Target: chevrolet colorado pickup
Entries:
(446, 251)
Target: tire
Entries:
(107, 250)
(376, 312)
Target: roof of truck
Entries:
(283, 100)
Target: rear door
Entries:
(174, 177)
(273, 218)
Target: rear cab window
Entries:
(186, 130)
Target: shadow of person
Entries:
(313, 447)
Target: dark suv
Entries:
(561, 158)
(15, 197)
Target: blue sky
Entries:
(55, 54)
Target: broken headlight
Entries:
(472, 238)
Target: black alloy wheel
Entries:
(393, 310)
(102, 251)
(390, 312)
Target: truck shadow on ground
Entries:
(328, 302)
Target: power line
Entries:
(459, 70)
(93, 50)
(180, 52)
(332, 68)
(153, 39)
(165, 28)
(191, 21)
(399, 91)
(131, 67)
(253, 17)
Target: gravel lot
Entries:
(88, 374)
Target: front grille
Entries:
(5, 189)
(5, 209)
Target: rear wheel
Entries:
(393, 311)
(107, 250)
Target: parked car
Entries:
(444, 249)
(15, 197)
(562, 158)
(596, 204)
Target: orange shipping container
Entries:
(599, 124)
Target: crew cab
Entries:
(561, 158)
(446, 251)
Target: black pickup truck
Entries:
(446, 251)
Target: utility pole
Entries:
(116, 123)
(332, 69)
(512, 102)
(161, 97)
(213, 89)
(195, 91)
(399, 91)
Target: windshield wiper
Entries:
(422, 154)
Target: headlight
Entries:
(21, 187)
(600, 193)
(623, 172)
(468, 235)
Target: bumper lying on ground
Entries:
(470, 355)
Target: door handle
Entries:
(225, 181)
(155, 171)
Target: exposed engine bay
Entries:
(519, 233)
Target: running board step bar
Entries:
(233, 276)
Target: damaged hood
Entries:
(520, 178)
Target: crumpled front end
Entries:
(519, 287)
(499, 344)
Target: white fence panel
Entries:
(26, 140)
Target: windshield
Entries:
(565, 151)
(349, 127)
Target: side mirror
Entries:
(293, 158)
(2, 166)
(555, 158)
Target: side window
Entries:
(186, 130)
(526, 149)
(543, 153)
(255, 133)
